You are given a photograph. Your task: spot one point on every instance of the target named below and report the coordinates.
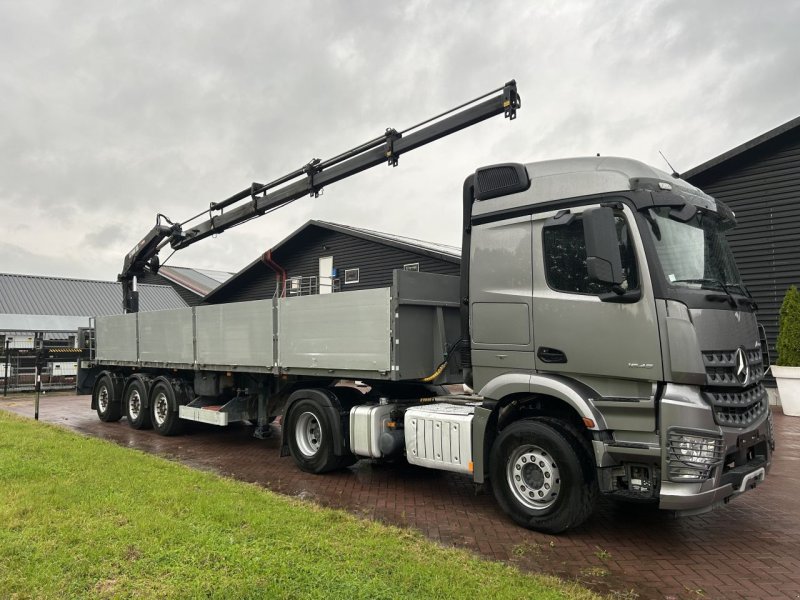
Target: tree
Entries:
(788, 345)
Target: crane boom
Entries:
(308, 180)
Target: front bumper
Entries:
(746, 455)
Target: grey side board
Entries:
(398, 332)
(235, 334)
(166, 336)
(347, 331)
(116, 338)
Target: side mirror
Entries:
(603, 260)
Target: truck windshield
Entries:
(695, 254)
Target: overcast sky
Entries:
(115, 111)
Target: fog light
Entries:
(692, 456)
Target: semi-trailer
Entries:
(599, 318)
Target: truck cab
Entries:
(602, 293)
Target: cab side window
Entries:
(565, 258)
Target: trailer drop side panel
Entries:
(167, 336)
(238, 334)
(402, 332)
(349, 331)
(116, 338)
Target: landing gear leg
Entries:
(263, 429)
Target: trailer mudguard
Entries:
(328, 401)
(117, 384)
(180, 393)
(147, 382)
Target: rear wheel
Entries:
(539, 478)
(138, 415)
(164, 417)
(109, 408)
(310, 437)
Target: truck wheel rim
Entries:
(533, 477)
(161, 409)
(308, 434)
(134, 404)
(102, 399)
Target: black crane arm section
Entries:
(308, 180)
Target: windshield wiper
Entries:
(745, 292)
(708, 280)
(653, 225)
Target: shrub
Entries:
(788, 345)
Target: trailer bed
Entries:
(400, 332)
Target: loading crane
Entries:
(260, 199)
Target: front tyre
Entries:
(310, 437)
(538, 479)
(138, 416)
(109, 408)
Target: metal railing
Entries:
(309, 286)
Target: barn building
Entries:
(760, 181)
(50, 311)
(55, 307)
(192, 285)
(322, 257)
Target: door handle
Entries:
(551, 355)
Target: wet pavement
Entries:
(747, 549)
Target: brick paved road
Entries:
(748, 549)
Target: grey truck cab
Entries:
(605, 309)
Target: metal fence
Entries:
(57, 364)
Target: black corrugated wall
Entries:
(762, 186)
(299, 257)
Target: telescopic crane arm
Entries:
(308, 180)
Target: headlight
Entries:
(692, 456)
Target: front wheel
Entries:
(310, 437)
(539, 478)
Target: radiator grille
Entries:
(721, 367)
(738, 408)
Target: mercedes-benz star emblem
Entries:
(741, 366)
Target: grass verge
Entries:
(81, 517)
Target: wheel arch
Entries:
(117, 386)
(517, 396)
(337, 405)
(146, 382)
(180, 390)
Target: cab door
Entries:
(582, 326)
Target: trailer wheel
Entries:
(310, 437)
(165, 419)
(538, 478)
(138, 415)
(109, 409)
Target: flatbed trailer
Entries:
(399, 333)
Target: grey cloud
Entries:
(115, 111)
